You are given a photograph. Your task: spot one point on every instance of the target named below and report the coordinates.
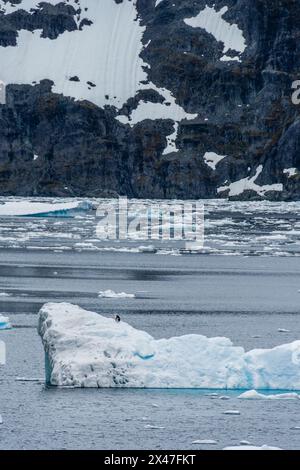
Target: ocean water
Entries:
(247, 293)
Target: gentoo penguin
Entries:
(117, 318)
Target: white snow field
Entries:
(85, 349)
(105, 53)
(30, 208)
(4, 323)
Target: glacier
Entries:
(4, 323)
(21, 208)
(85, 349)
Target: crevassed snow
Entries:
(28, 208)
(4, 323)
(254, 395)
(110, 294)
(240, 186)
(84, 349)
(213, 22)
(212, 159)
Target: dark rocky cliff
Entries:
(244, 110)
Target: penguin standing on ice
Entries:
(117, 318)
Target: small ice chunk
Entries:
(283, 330)
(152, 426)
(147, 249)
(29, 379)
(207, 442)
(110, 294)
(232, 412)
(4, 323)
(246, 447)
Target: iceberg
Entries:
(254, 395)
(85, 349)
(4, 323)
(43, 209)
(110, 294)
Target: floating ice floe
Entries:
(207, 442)
(246, 447)
(23, 208)
(110, 294)
(232, 412)
(4, 323)
(151, 426)
(147, 249)
(85, 349)
(254, 395)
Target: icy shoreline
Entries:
(84, 349)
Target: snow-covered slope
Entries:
(99, 62)
(154, 89)
(84, 349)
(105, 53)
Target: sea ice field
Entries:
(244, 285)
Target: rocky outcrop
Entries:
(51, 144)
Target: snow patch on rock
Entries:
(213, 22)
(212, 159)
(246, 184)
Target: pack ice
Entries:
(85, 349)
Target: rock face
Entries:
(190, 78)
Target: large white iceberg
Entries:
(85, 349)
(43, 209)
